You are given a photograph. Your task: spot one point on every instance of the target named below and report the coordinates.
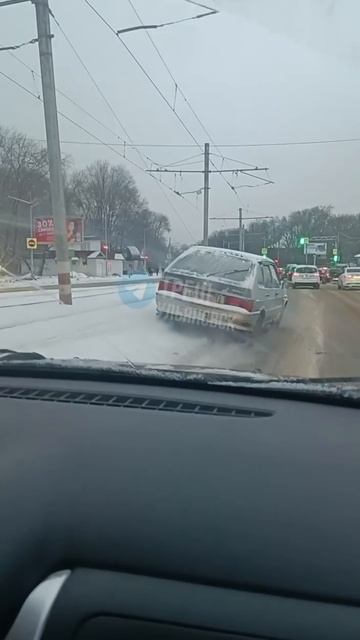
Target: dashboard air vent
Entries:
(132, 402)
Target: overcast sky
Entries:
(261, 71)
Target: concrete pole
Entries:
(241, 244)
(206, 192)
(53, 149)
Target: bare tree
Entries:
(24, 174)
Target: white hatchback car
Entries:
(221, 288)
(305, 276)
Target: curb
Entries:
(82, 285)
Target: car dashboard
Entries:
(131, 510)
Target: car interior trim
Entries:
(33, 615)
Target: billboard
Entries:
(44, 230)
(315, 249)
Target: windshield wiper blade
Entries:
(8, 355)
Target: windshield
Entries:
(203, 263)
(179, 184)
(306, 270)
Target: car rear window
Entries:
(354, 270)
(306, 270)
(204, 263)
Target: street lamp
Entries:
(31, 204)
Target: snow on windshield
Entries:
(211, 263)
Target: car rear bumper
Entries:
(306, 283)
(193, 312)
(351, 285)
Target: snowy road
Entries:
(318, 337)
(112, 323)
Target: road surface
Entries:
(319, 335)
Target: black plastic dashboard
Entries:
(178, 513)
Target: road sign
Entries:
(264, 251)
(316, 248)
(31, 243)
(334, 252)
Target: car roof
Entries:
(313, 266)
(252, 257)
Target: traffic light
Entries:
(336, 258)
(303, 240)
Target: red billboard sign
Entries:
(44, 231)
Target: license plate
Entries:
(207, 317)
(199, 294)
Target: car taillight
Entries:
(239, 302)
(174, 287)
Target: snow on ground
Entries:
(12, 282)
(111, 323)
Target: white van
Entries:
(222, 288)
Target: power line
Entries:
(178, 87)
(79, 126)
(232, 159)
(153, 83)
(167, 145)
(168, 24)
(142, 68)
(92, 78)
(73, 102)
(19, 46)
(112, 110)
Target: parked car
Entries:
(305, 276)
(222, 288)
(350, 278)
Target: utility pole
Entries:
(206, 171)
(106, 242)
(206, 193)
(241, 243)
(53, 149)
(241, 230)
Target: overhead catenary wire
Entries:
(153, 83)
(90, 75)
(19, 46)
(75, 104)
(247, 164)
(167, 145)
(103, 143)
(123, 128)
(178, 87)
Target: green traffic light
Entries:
(302, 241)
